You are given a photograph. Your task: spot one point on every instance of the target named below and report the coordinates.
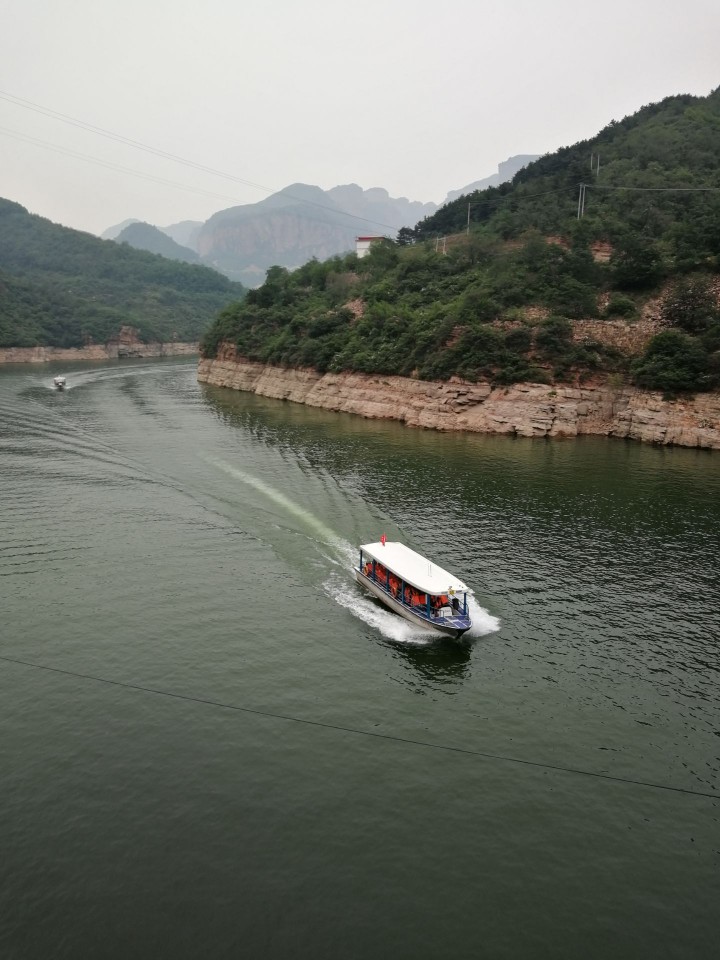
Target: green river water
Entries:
(213, 744)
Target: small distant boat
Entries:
(414, 587)
(60, 383)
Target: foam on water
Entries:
(343, 589)
(483, 622)
(390, 625)
(83, 378)
(289, 506)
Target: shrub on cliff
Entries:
(690, 304)
(572, 298)
(620, 305)
(674, 362)
(636, 263)
(554, 337)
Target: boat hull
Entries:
(446, 626)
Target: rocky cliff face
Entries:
(245, 249)
(124, 344)
(298, 223)
(525, 409)
(506, 171)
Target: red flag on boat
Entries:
(383, 538)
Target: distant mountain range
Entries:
(299, 223)
(143, 236)
(506, 171)
(290, 227)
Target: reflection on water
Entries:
(435, 666)
(201, 542)
(598, 556)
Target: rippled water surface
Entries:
(213, 744)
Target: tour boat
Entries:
(409, 584)
(60, 383)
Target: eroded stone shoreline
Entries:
(97, 351)
(523, 409)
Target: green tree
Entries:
(673, 362)
(690, 304)
(405, 237)
(636, 264)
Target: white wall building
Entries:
(363, 244)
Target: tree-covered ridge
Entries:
(420, 312)
(459, 305)
(143, 236)
(644, 162)
(61, 287)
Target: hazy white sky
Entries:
(417, 96)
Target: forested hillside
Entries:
(496, 297)
(143, 236)
(60, 287)
(651, 179)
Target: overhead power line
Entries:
(508, 198)
(602, 186)
(584, 187)
(112, 166)
(213, 171)
(128, 141)
(175, 158)
(363, 733)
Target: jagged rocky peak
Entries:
(185, 232)
(506, 171)
(298, 223)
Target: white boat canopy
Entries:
(413, 568)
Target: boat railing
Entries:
(446, 611)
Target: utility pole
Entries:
(472, 203)
(581, 202)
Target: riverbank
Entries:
(96, 351)
(523, 409)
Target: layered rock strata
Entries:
(96, 351)
(523, 409)
(124, 344)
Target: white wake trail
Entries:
(345, 554)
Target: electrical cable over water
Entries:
(364, 733)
